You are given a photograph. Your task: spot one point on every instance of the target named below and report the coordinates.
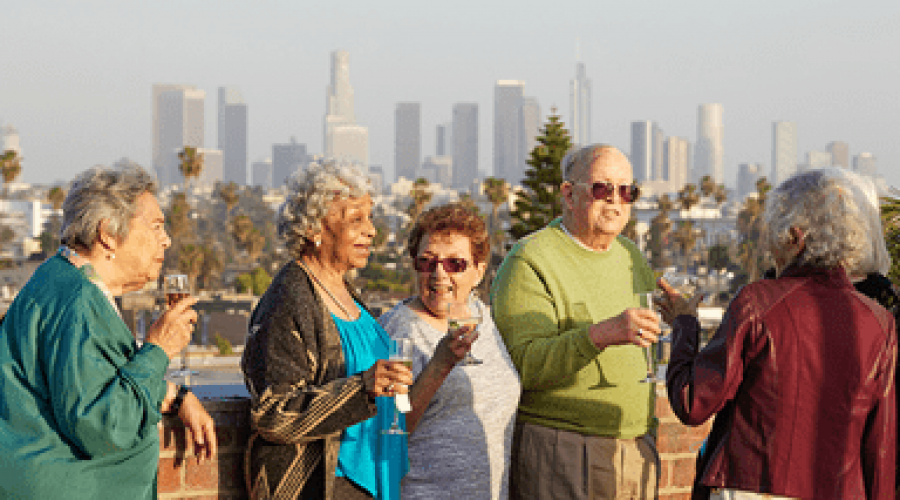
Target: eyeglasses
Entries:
(451, 264)
(604, 191)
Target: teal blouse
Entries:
(80, 401)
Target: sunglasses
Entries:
(604, 191)
(451, 264)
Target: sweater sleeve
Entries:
(283, 364)
(102, 401)
(546, 355)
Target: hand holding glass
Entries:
(401, 351)
(647, 303)
(176, 288)
(460, 316)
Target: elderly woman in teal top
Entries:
(316, 362)
(80, 400)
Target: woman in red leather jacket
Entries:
(800, 373)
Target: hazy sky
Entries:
(76, 77)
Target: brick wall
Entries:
(181, 477)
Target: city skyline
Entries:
(77, 79)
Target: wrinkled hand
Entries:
(638, 326)
(202, 426)
(386, 378)
(454, 346)
(673, 304)
(172, 331)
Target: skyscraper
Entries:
(287, 159)
(657, 158)
(676, 159)
(465, 144)
(784, 151)
(444, 145)
(233, 135)
(748, 174)
(840, 154)
(531, 127)
(178, 119)
(865, 164)
(407, 140)
(580, 104)
(508, 162)
(709, 153)
(344, 139)
(818, 159)
(642, 150)
(262, 173)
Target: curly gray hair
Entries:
(103, 194)
(823, 205)
(310, 194)
(877, 259)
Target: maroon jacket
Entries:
(800, 378)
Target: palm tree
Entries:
(660, 227)
(421, 196)
(707, 186)
(890, 217)
(686, 237)
(10, 167)
(229, 194)
(191, 164)
(750, 227)
(179, 216)
(190, 261)
(720, 194)
(497, 192)
(56, 196)
(688, 197)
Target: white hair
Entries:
(103, 194)
(824, 206)
(877, 259)
(309, 197)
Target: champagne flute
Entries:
(460, 316)
(647, 303)
(176, 288)
(400, 352)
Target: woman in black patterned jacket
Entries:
(313, 363)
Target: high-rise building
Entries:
(287, 159)
(508, 162)
(344, 139)
(407, 139)
(465, 144)
(784, 151)
(840, 154)
(642, 150)
(376, 175)
(233, 135)
(748, 174)
(9, 139)
(657, 160)
(818, 159)
(178, 118)
(444, 144)
(865, 164)
(676, 157)
(438, 169)
(262, 173)
(531, 127)
(580, 104)
(709, 156)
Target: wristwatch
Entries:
(179, 398)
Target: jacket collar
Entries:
(834, 276)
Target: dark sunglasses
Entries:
(604, 191)
(451, 264)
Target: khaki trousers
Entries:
(550, 464)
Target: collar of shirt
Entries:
(90, 273)
(576, 240)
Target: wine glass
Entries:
(176, 288)
(400, 352)
(647, 303)
(460, 316)
(686, 286)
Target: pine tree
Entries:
(540, 202)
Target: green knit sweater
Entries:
(547, 293)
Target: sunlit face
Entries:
(347, 234)
(139, 257)
(601, 218)
(439, 287)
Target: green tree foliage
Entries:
(688, 197)
(719, 257)
(686, 236)
(750, 227)
(191, 164)
(225, 347)
(660, 231)
(56, 196)
(255, 282)
(540, 202)
(10, 167)
(421, 197)
(229, 194)
(890, 217)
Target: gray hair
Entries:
(877, 259)
(103, 194)
(309, 196)
(581, 157)
(823, 205)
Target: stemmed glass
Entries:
(460, 316)
(647, 302)
(686, 286)
(176, 288)
(401, 351)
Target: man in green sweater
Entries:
(566, 303)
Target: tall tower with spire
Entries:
(343, 138)
(580, 104)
